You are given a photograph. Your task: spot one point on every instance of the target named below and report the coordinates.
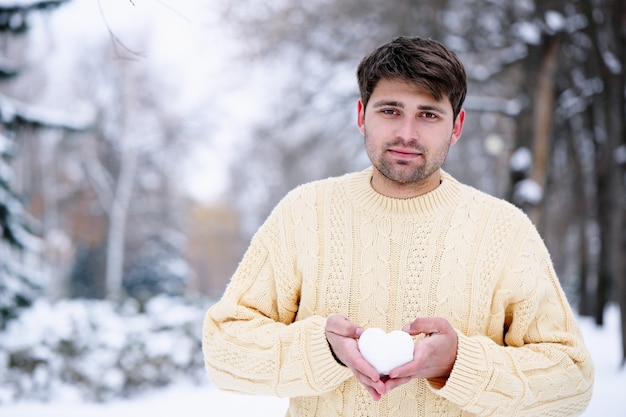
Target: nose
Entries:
(407, 128)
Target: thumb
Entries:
(424, 325)
(342, 326)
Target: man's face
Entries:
(407, 137)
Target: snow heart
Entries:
(385, 351)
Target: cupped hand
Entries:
(433, 357)
(342, 336)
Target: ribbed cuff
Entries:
(469, 374)
(326, 370)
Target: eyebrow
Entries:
(393, 103)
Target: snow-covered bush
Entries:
(96, 351)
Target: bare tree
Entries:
(111, 196)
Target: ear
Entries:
(457, 129)
(360, 116)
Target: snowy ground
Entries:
(609, 398)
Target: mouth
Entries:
(404, 153)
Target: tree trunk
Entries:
(117, 223)
(123, 190)
(542, 121)
(580, 207)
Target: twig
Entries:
(115, 39)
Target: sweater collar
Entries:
(444, 197)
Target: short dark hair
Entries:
(426, 63)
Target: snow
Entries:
(620, 155)
(79, 119)
(612, 62)
(527, 191)
(493, 144)
(201, 401)
(521, 160)
(528, 32)
(386, 351)
(114, 351)
(555, 20)
(183, 399)
(610, 381)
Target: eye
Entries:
(389, 112)
(429, 115)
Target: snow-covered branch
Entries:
(8, 6)
(13, 12)
(15, 111)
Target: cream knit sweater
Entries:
(337, 246)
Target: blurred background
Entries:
(143, 142)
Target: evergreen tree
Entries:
(20, 281)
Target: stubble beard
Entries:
(403, 172)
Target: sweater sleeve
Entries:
(251, 341)
(541, 367)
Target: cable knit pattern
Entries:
(337, 246)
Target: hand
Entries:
(433, 356)
(342, 336)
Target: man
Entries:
(400, 245)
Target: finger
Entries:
(393, 383)
(408, 370)
(373, 393)
(376, 388)
(364, 368)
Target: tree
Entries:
(128, 169)
(108, 196)
(608, 44)
(20, 271)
